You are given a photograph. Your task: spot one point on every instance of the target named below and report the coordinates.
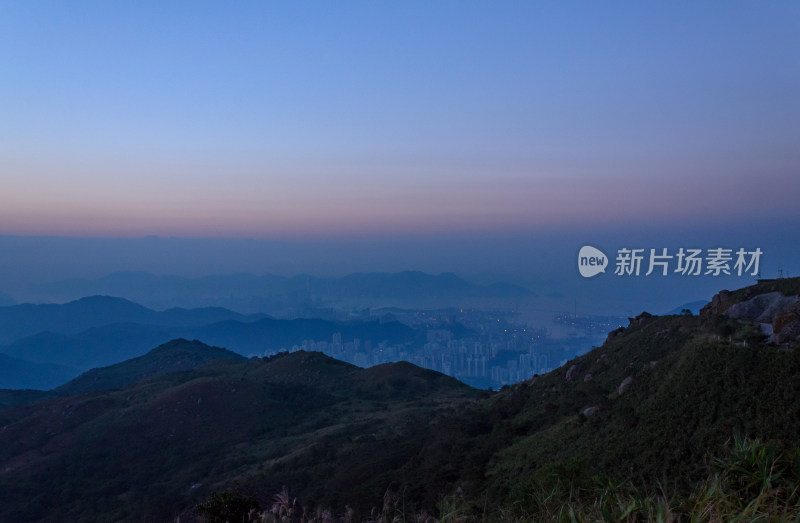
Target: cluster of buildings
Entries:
(495, 353)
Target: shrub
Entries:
(227, 506)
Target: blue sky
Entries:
(333, 119)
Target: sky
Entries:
(325, 119)
(449, 135)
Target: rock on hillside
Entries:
(775, 304)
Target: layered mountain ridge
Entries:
(50, 344)
(656, 407)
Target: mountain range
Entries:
(19, 321)
(50, 344)
(676, 417)
(278, 294)
(21, 374)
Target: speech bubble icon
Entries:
(591, 261)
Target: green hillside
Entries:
(137, 452)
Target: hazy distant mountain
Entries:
(694, 307)
(278, 294)
(20, 374)
(6, 300)
(93, 347)
(19, 321)
(408, 285)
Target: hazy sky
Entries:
(334, 119)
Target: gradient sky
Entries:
(304, 119)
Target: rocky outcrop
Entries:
(636, 321)
(640, 319)
(573, 371)
(778, 315)
(786, 324)
(624, 385)
(789, 333)
(613, 334)
(762, 308)
(720, 303)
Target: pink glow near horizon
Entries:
(256, 121)
(302, 209)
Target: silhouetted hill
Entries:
(403, 380)
(176, 355)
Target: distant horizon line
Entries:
(589, 226)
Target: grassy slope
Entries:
(678, 413)
(293, 419)
(697, 382)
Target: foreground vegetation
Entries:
(753, 481)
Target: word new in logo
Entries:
(591, 261)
